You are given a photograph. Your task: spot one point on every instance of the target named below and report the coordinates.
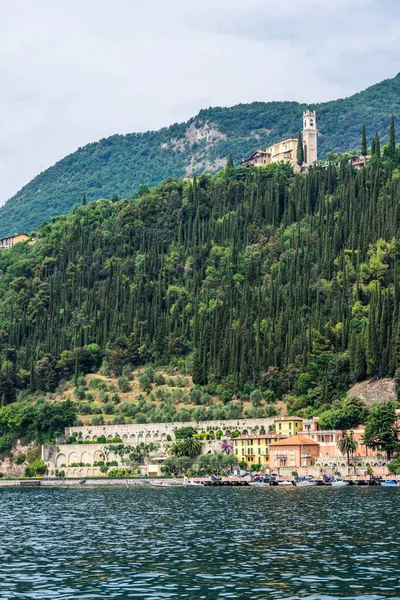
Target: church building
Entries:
(286, 150)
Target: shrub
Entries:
(109, 408)
(159, 379)
(97, 420)
(119, 420)
(115, 398)
(103, 396)
(141, 418)
(144, 381)
(81, 381)
(38, 467)
(85, 409)
(97, 384)
(127, 372)
(79, 393)
(101, 439)
(20, 459)
(256, 397)
(123, 384)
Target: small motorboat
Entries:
(337, 482)
(305, 482)
(389, 483)
(259, 483)
(192, 484)
(160, 484)
(285, 483)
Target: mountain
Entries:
(254, 280)
(121, 163)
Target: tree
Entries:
(381, 429)
(190, 446)
(364, 150)
(300, 150)
(394, 466)
(184, 433)
(84, 202)
(348, 413)
(392, 139)
(229, 164)
(347, 445)
(377, 145)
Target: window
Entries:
(280, 425)
(259, 442)
(290, 426)
(291, 451)
(259, 451)
(236, 451)
(292, 463)
(311, 123)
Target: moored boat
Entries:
(160, 484)
(305, 482)
(337, 482)
(285, 483)
(389, 483)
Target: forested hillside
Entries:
(252, 279)
(121, 163)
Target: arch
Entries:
(140, 438)
(125, 438)
(155, 437)
(133, 438)
(81, 471)
(245, 432)
(163, 437)
(228, 432)
(148, 438)
(111, 456)
(86, 457)
(110, 437)
(94, 438)
(73, 458)
(97, 456)
(61, 460)
(87, 437)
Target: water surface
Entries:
(315, 543)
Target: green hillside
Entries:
(255, 279)
(121, 163)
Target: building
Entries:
(293, 452)
(254, 449)
(286, 150)
(359, 162)
(10, 241)
(288, 426)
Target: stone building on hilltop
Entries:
(286, 150)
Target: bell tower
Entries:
(310, 137)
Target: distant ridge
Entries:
(121, 163)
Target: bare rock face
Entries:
(374, 390)
(9, 468)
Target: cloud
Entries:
(72, 72)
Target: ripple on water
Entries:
(199, 543)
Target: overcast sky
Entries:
(75, 71)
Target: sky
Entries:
(75, 71)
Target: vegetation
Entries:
(261, 284)
(122, 166)
(347, 445)
(381, 428)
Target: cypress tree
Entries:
(84, 200)
(392, 138)
(377, 145)
(364, 150)
(229, 164)
(373, 149)
(300, 150)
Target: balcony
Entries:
(305, 455)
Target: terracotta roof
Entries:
(295, 440)
(271, 435)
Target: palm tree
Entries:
(190, 446)
(347, 445)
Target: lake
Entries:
(213, 543)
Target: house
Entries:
(294, 452)
(359, 162)
(254, 449)
(10, 241)
(286, 150)
(288, 425)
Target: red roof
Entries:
(295, 440)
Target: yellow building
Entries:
(288, 426)
(254, 449)
(10, 241)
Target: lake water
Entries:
(315, 543)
